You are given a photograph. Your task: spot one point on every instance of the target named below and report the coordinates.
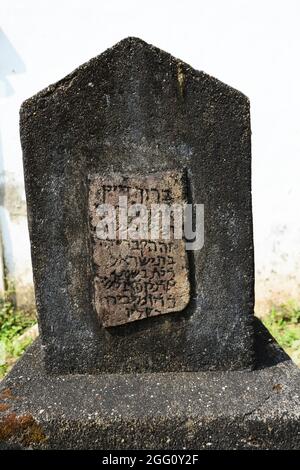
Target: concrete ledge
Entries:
(257, 409)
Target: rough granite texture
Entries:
(136, 109)
(257, 409)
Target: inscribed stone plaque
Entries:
(146, 276)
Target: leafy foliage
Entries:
(13, 323)
(283, 322)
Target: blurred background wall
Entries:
(251, 45)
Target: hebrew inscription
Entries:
(143, 277)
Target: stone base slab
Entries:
(257, 409)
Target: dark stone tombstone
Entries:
(135, 110)
(137, 122)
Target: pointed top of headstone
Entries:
(131, 55)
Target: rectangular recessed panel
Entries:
(137, 275)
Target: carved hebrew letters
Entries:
(137, 278)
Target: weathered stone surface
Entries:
(137, 110)
(200, 410)
(137, 278)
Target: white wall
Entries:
(251, 45)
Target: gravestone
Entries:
(135, 111)
(136, 125)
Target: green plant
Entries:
(283, 322)
(13, 323)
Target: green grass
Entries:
(283, 322)
(13, 323)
